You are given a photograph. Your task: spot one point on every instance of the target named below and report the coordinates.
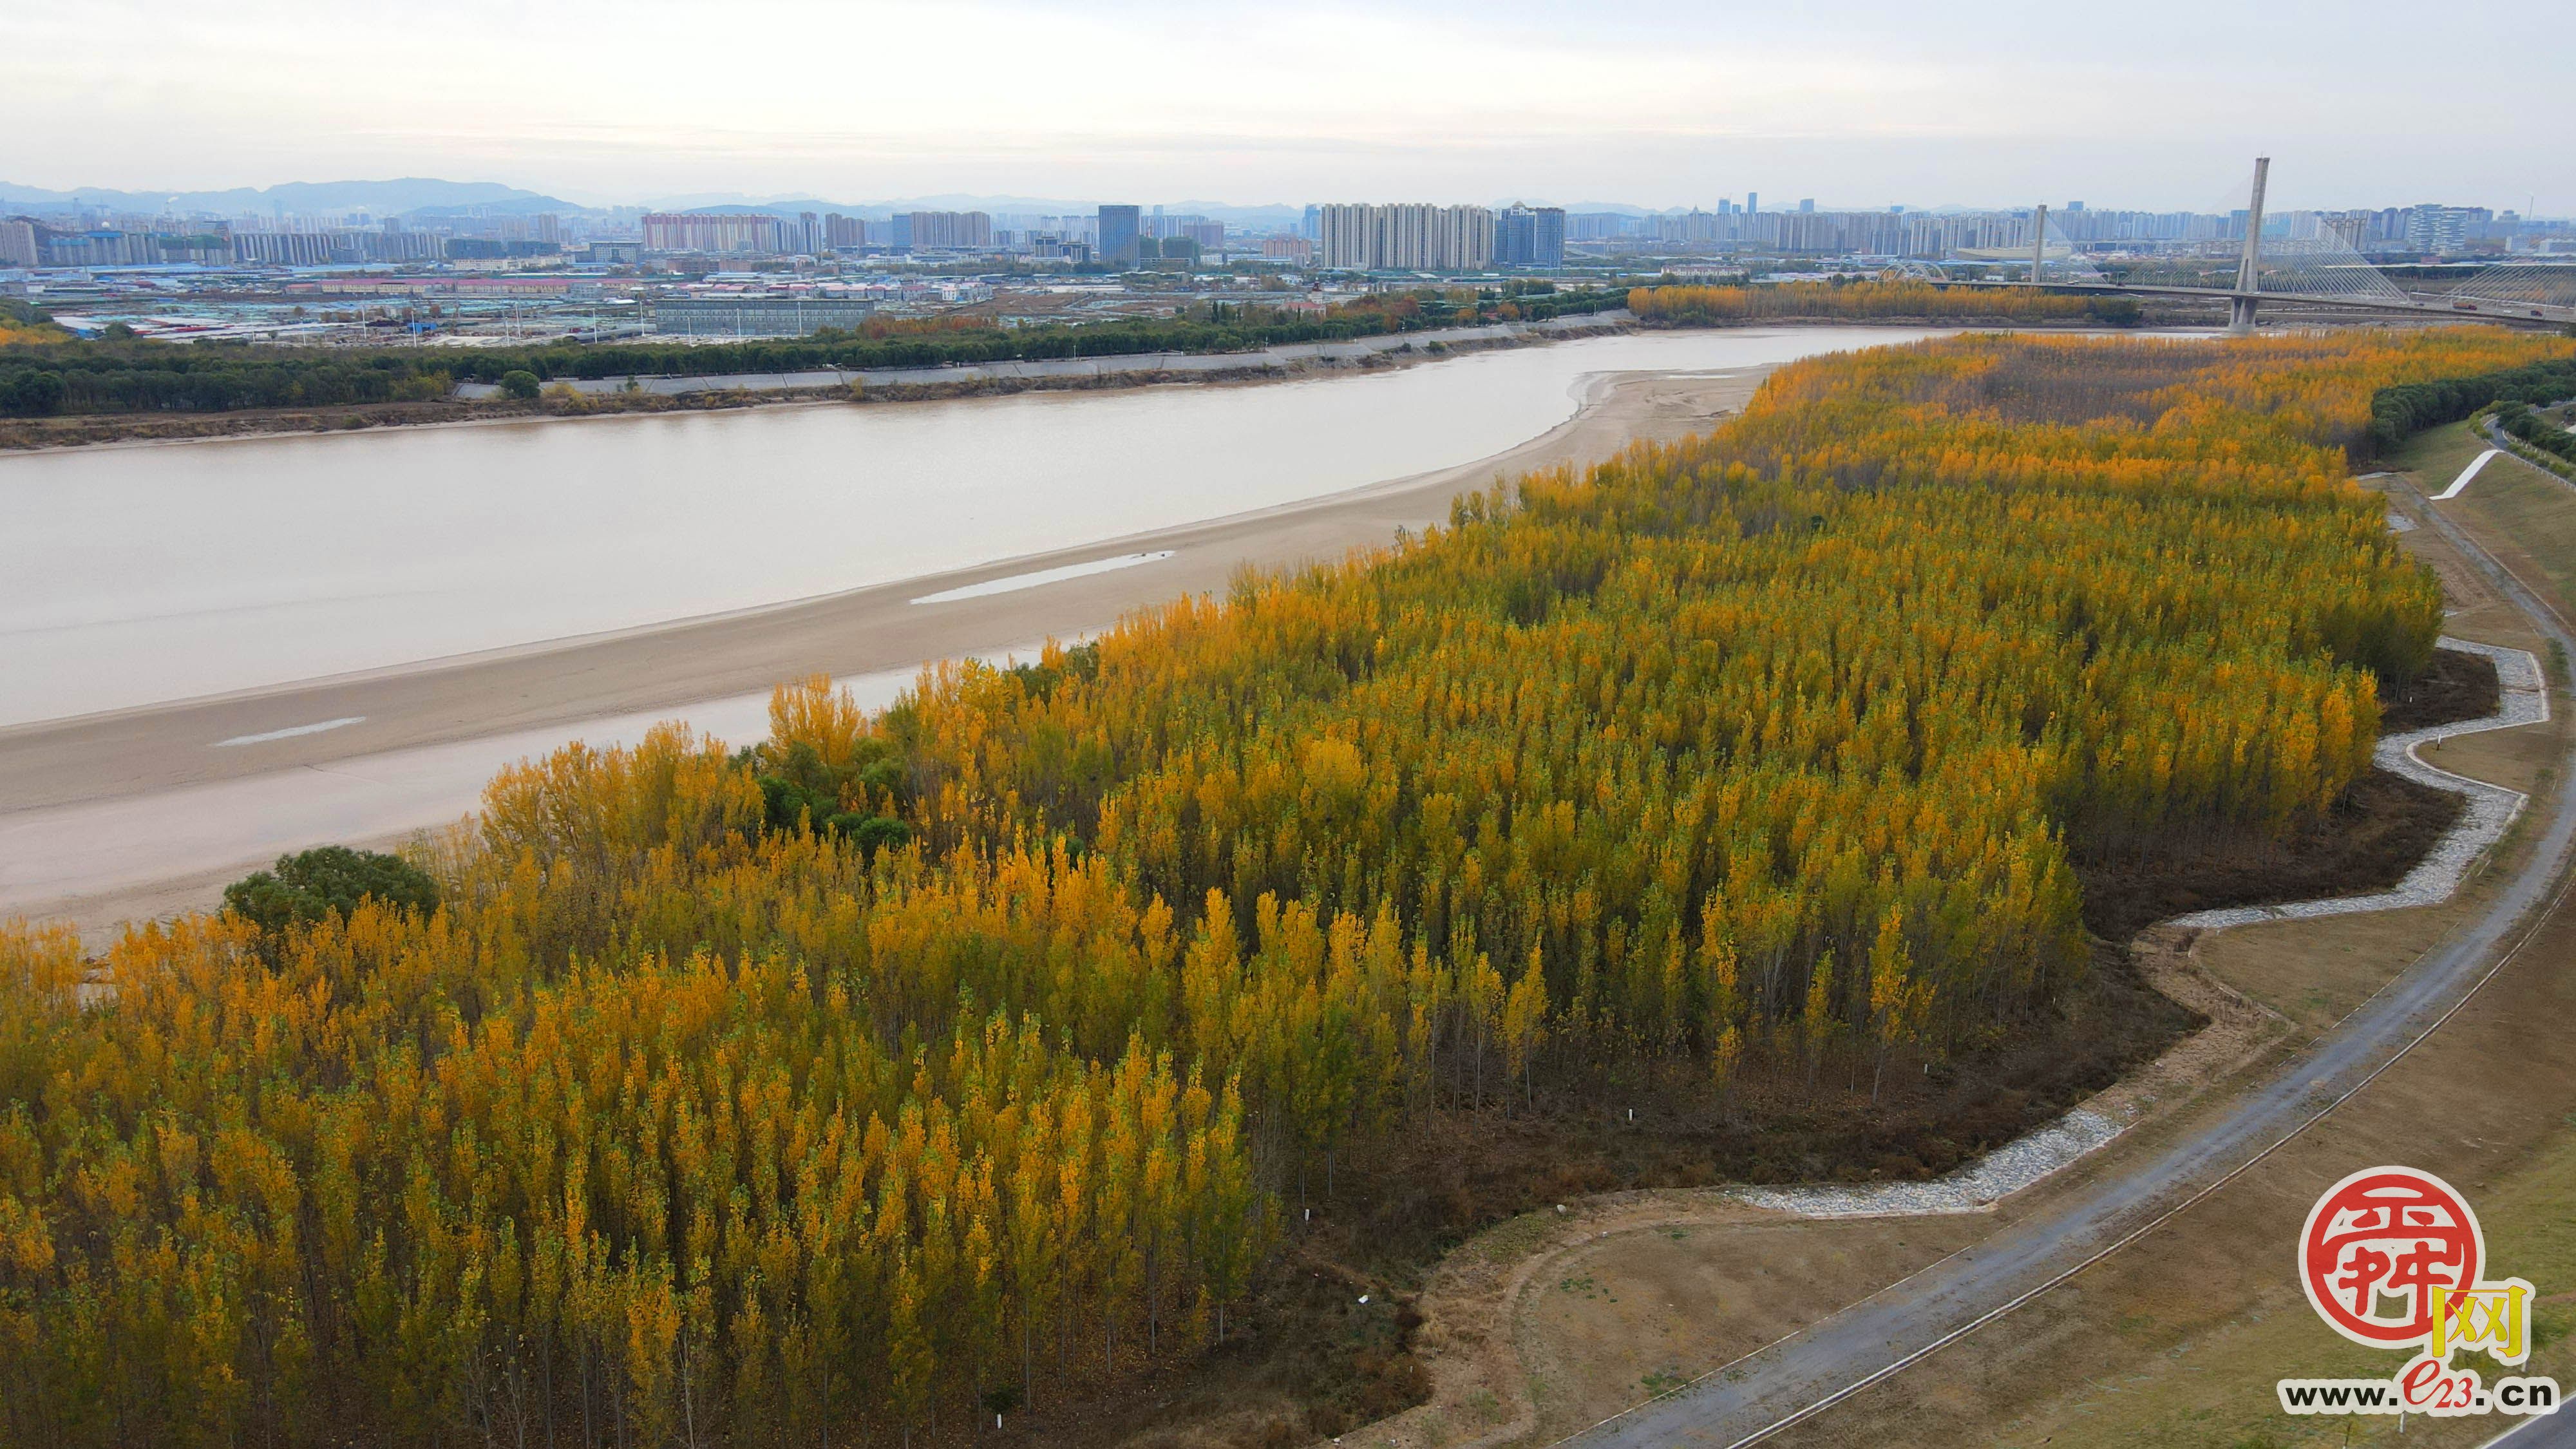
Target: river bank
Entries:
(150, 575)
(139, 812)
(481, 405)
(473, 404)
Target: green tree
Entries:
(519, 384)
(329, 880)
(32, 395)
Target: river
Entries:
(136, 575)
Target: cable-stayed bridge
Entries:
(2324, 270)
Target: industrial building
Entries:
(757, 316)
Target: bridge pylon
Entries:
(2308, 274)
(2240, 306)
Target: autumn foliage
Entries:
(686, 1117)
(1866, 301)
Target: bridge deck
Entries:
(2476, 307)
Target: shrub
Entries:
(330, 880)
(32, 395)
(520, 385)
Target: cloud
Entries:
(1864, 102)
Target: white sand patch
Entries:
(289, 733)
(1016, 582)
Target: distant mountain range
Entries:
(383, 198)
(1273, 214)
(429, 196)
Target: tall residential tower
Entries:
(1529, 236)
(1119, 228)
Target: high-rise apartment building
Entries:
(17, 243)
(1595, 226)
(1529, 236)
(2431, 227)
(1692, 228)
(948, 231)
(1120, 226)
(283, 248)
(1405, 237)
(1210, 235)
(717, 235)
(2351, 228)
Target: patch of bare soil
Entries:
(86, 431)
(89, 431)
(2456, 686)
(2367, 842)
(1628, 1315)
(2376, 833)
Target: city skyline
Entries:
(328, 202)
(1656, 106)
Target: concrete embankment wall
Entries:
(1282, 357)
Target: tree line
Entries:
(2401, 410)
(1873, 301)
(977, 1052)
(146, 376)
(2518, 419)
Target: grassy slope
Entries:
(2215, 1386)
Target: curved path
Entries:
(2513, 448)
(1841, 1355)
(2524, 700)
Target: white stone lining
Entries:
(2523, 699)
(1974, 1188)
(2491, 808)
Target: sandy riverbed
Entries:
(72, 779)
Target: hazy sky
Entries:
(1862, 103)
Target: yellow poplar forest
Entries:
(1719, 762)
(1868, 301)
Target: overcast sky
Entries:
(1863, 103)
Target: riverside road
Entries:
(1807, 1373)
